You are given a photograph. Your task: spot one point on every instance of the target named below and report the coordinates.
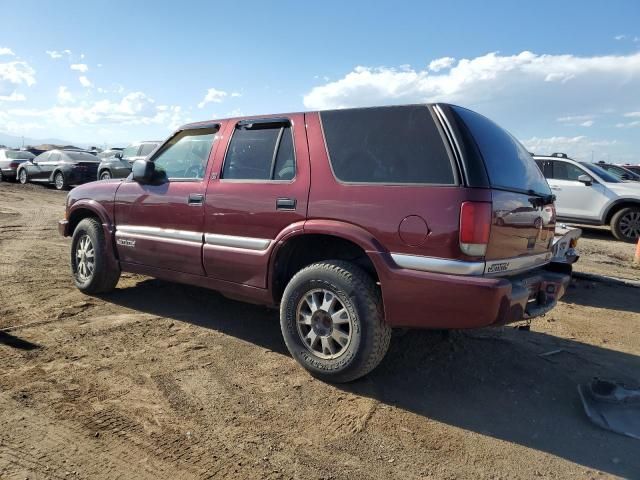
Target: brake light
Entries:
(475, 225)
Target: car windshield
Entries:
(81, 156)
(14, 155)
(622, 173)
(601, 172)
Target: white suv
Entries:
(588, 194)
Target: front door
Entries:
(161, 225)
(573, 198)
(261, 188)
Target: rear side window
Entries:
(509, 165)
(131, 151)
(260, 152)
(566, 171)
(14, 155)
(393, 145)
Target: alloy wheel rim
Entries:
(23, 176)
(630, 225)
(324, 324)
(106, 176)
(59, 181)
(85, 258)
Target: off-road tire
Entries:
(360, 296)
(616, 221)
(104, 277)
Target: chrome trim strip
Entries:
(175, 241)
(516, 264)
(438, 265)
(164, 233)
(492, 268)
(247, 243)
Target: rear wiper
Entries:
(541, 199)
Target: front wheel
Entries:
(332, 321)
(106, 175)
(22, 176)
(625, 224)
(91, 270)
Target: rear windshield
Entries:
(81, 156)
(601, 172)
(391, 145)
(509, 165)
(13, 155)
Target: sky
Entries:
(559, 75)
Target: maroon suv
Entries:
(353, 221)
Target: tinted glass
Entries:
(546, 168)
(43, 157)
(12, 154)
(251, 154)
(130, 151)
(621, 173)
(81, 157)
(54, 157)
(509, 165)
(386, 145)
(285, 166)
(147, 148)
(185, 156)
(603, 174)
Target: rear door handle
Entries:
(195, 199)
(286, 204)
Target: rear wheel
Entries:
(59, 181)
(22, 176)
(91, 270)
(105, 175)
(625, 224)
(332, 321)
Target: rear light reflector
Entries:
(475, 225)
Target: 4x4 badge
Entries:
(125, 242)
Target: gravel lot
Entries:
(159, 380)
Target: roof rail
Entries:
(559, 155)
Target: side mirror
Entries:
(625, 176)
(118, 155)
(586, 179)
(143, 171)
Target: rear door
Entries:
(258, 188)
(160, 226)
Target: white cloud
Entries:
(619, 37)
(7, 51)
(439, 64)
(80, 67)
(64, 95)
(16, 73)
(635, 123)
(14, 97)
(58, 54)
(588, 123)
(574, 118)
(562, 82)
(579, 147)
(632, 114)
(236, 94)
(85, 82)
(213, 96)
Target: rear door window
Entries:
(260, 151)
(509, 165)
(391, 145)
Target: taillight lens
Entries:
(475, 225)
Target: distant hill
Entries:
(15, 141)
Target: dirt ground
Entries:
(159, 380)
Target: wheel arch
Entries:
(320, 240)
(85, 208)
(618, 205)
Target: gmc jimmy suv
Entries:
(353, 221)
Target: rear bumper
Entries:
(418, 299)
(9, 172)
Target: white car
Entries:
(587, 194)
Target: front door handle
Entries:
(286, 204)
(195, 199)
(556, 188)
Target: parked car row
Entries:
(64, 168)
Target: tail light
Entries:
(14, 164)
(475, 225)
